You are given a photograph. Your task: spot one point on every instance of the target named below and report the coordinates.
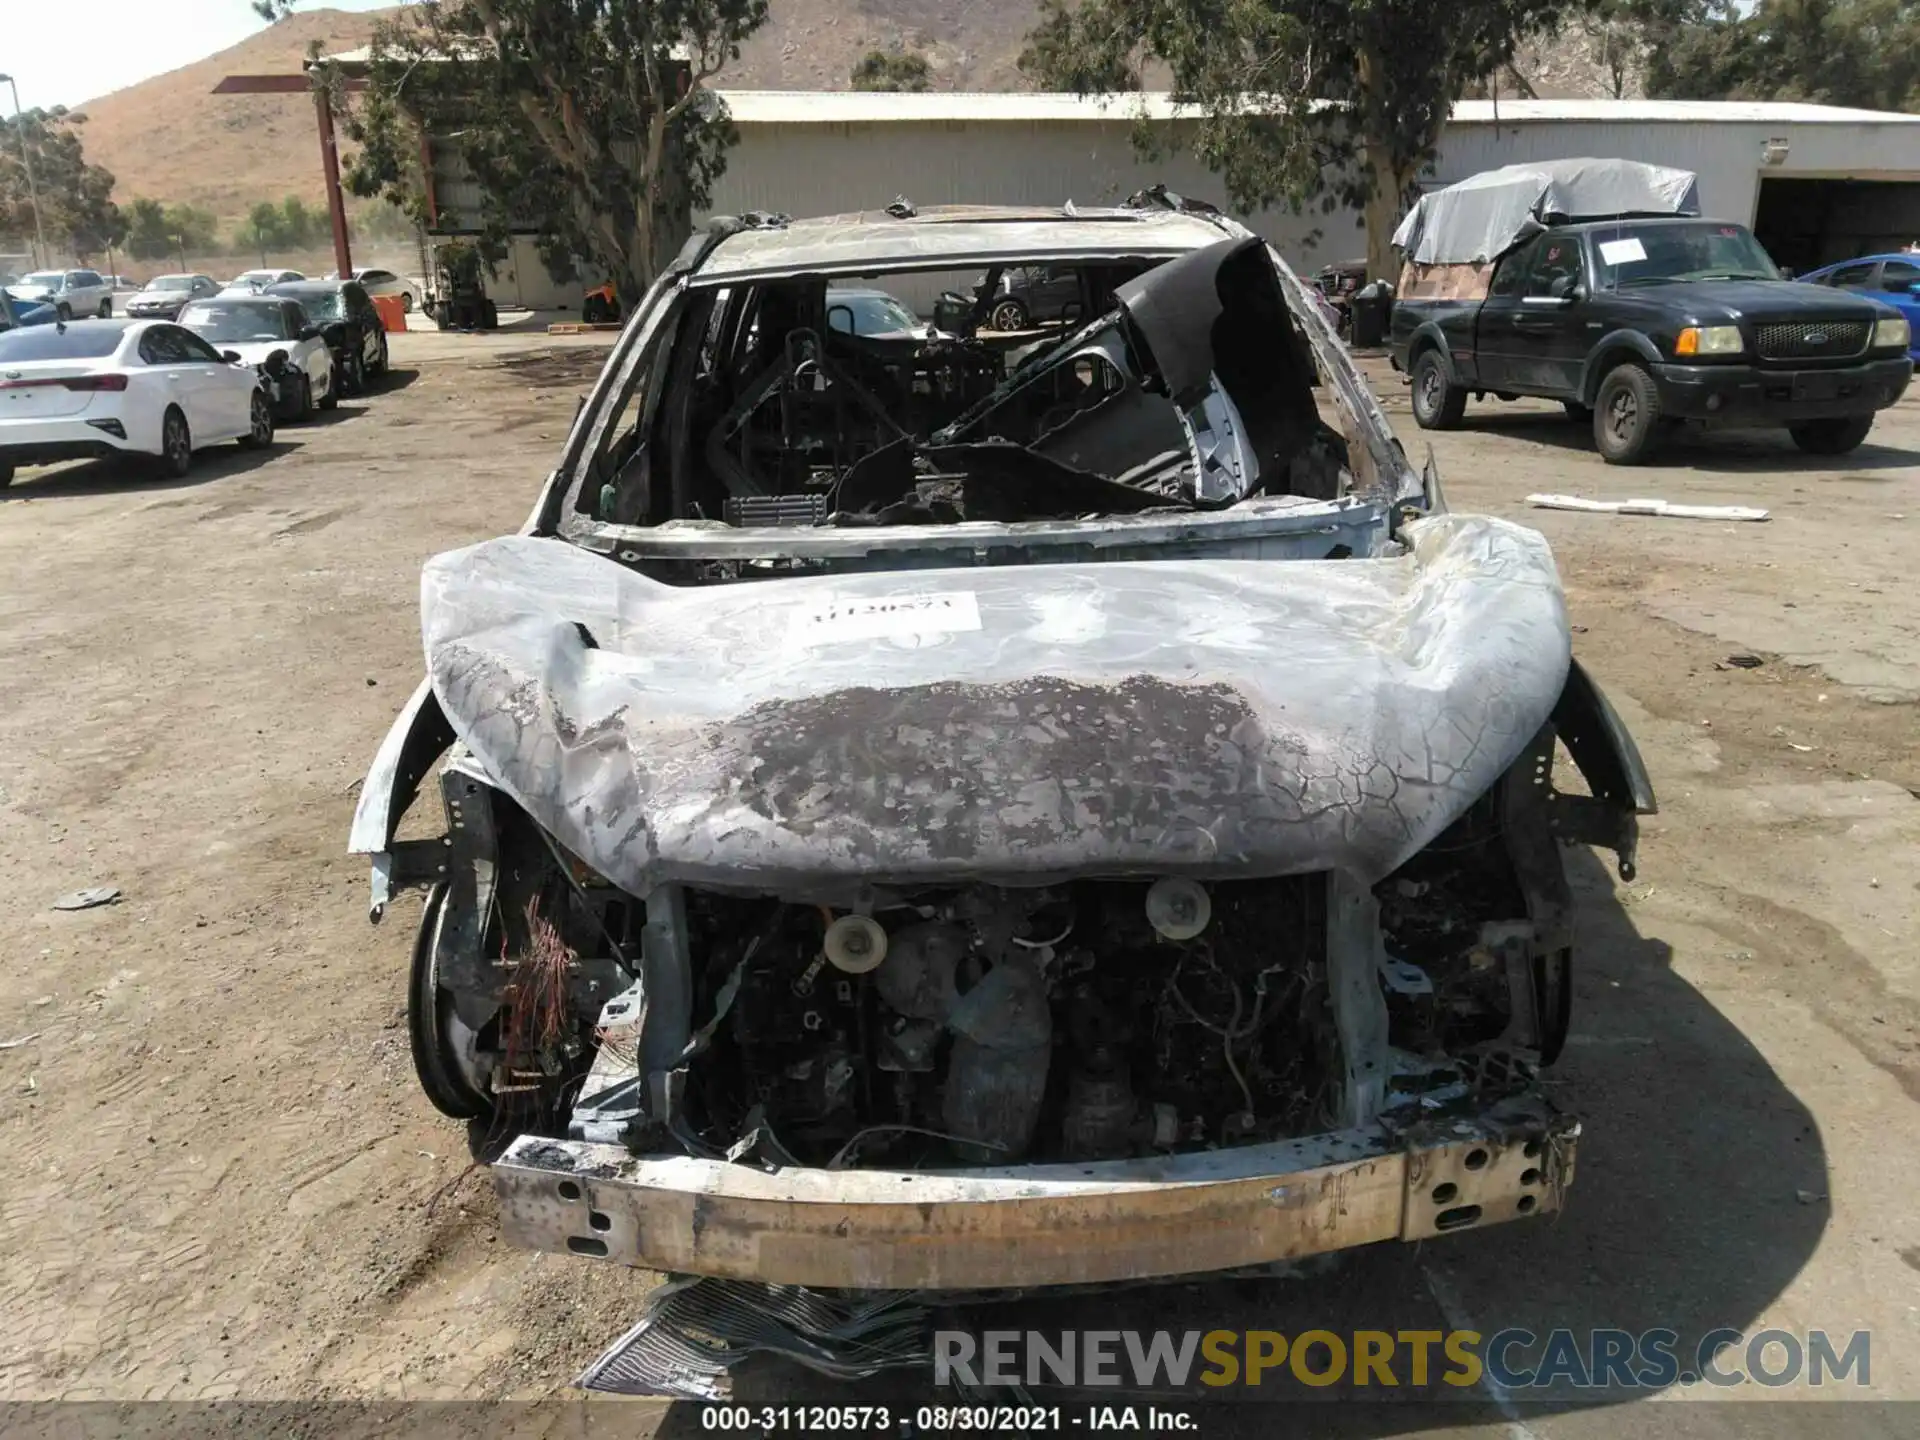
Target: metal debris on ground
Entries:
(1663, 508)
(694, 1331)
(87, 899)
(1745, 662)
(23, 1040)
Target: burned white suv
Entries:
(946, 811)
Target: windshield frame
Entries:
(1382, 475)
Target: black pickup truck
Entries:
(1634, 324)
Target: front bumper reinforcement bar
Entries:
(1036, 1225)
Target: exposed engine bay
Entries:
(973, 1025)
(1191, 390)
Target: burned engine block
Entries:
(981, 1026)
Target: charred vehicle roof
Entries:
(946, 811)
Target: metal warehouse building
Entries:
(1816, 183)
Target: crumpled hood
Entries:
(1013, 724)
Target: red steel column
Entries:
(336, 202)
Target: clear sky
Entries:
(64, 51)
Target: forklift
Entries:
(458, 300)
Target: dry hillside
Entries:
(171, 139)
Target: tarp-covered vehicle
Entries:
(928, 817)
(1598, 284)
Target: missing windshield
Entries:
(1036, 393)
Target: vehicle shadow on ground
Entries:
(1730, 452)
(1700, 1193)
(117, 474)
(351, 406)
(395, 379)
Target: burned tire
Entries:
(1832, 437)
(1438, 403)
(1626, 416)
(428, 1032)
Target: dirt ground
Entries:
(222, 1180)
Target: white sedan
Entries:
(254, 281)
(385, 282)
(274, 336)
(122, 387)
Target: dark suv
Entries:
(344, 312)
(1636, 323)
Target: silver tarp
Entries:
(1483, 216)
(1008, 724)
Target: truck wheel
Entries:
(1831, 437)
(1626, 416)
(1438, 403)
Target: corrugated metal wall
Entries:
(826, 168)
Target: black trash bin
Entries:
(1371, 305)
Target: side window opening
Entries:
(1509, 279)
(1556, 267)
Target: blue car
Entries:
(24, 312)
(1892, 279)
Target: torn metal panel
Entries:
(1001, 725)
(692, 1332)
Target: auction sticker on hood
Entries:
(906, 617)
